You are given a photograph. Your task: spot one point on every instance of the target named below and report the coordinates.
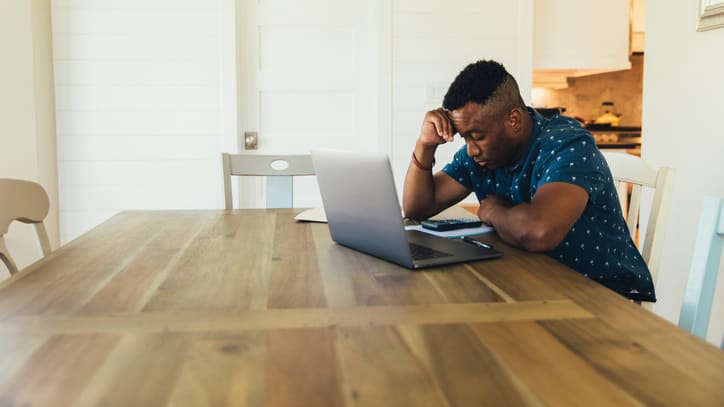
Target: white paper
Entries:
(312, 215)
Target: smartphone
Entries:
(450, 224)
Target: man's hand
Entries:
(488, 206)
(436, 128)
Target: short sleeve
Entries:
(573, 160)
(457, 170)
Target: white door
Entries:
(311, 75)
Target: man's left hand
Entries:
(489, 205)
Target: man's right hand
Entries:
(436, 128)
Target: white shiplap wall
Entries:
(145, 105)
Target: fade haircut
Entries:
(482, 82)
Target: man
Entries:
(542, 183)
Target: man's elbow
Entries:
(541, 238)
(413, 213)
(418, 212)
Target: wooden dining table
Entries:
(249, 307)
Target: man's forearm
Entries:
(539, 225)
(511, 224)
(418, 197)
(425, 193)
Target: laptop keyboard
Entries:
(425, 253)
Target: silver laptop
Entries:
(363, 211)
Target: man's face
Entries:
(488, 140)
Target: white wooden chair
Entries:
(279, 171)
(699, 295)
(631, 170)
(27, 202)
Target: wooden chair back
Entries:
(633, 172)
(27, 202)
(279, 171)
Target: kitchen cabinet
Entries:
(575, 38)
(638, 25)
(617, 138)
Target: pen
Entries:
(476, 242)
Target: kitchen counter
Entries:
(627, 138)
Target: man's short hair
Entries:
(478, 82)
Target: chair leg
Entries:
(699, 294)
(43, 238)
(5, 257)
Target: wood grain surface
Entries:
(248, 307)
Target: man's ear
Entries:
(514, 119)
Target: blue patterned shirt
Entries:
(598, 245)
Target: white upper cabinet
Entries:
(638, 25)
(575, 38)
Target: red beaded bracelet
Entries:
(419, 165)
